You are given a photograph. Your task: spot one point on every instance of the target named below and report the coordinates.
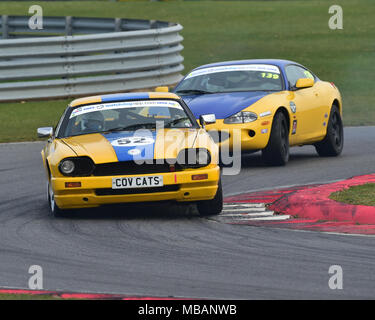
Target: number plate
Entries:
(137, 182)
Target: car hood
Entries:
(128, 146)
(222, 105)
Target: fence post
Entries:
(118, 22)
(68, 26)
(5, 29)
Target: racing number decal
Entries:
(132, 141)
(270, 75)
(308, 74)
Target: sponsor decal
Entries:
(134, 152)
(293, 106)
(242, 67)
(294, 129)
(265, 114)
(126, 104)
(264, 131)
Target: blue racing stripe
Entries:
(124, 96)
(222, 105)
(131, 146)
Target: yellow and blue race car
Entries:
(134, 147)
(268, 105)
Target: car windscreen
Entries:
(126, 116)
(231, 78)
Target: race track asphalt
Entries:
(170, 251)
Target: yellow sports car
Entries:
(133, 147)
(266, 105)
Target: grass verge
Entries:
(358, 195)
(227, 30)
(28, 297)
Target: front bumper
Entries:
(251, 136)
(185, 189)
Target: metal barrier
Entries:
(94, 56)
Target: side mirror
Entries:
(304, 83)
(45, 132)
(161, 89)
(207, 119)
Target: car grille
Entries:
(130, 167)
(117, 192)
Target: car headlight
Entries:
(67, 167)
(194, 158)
(76, 166)
(241, 117)
(202, 157)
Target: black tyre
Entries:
(53, 207)
(214, 206)
(333, 143)
(276, 153)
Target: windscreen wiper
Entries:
(193, 91)
(132, 127)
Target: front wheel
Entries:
(53, 207)
(333, 143)
(214, 206)
(276, 153)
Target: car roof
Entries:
(116, 97)
(277, 62)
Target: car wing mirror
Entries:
(207, 119)
(45, 132)
(304, 83)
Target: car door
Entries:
(305, 104)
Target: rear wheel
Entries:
(333, 143)
(276, 153)
(214, 206)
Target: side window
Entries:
(308, 74)
(294, 73)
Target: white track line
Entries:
(239, 215)
(273, 218)
(249, 212)
(245, 209)
(245, 205)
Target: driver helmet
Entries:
(94, 121)
(216, 82)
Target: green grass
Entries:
(227, 30)
(28, 297)
(363, 194)
(19, 121)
